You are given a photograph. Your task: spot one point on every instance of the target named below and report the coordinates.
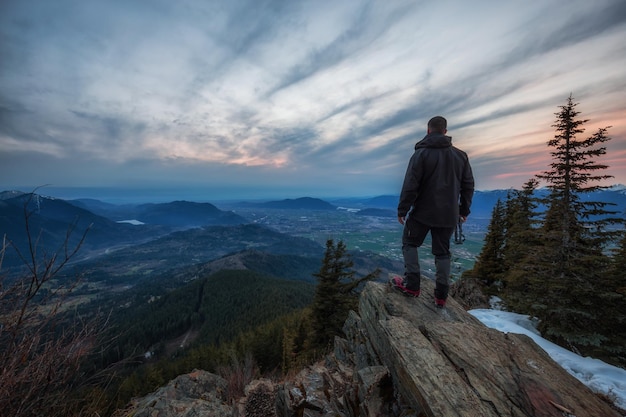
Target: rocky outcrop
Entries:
(198, 393)
(400, 357)
(469, 293)
(446, 363)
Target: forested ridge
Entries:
(231, 319)
(216, 308)
(197, 325)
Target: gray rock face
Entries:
(400, 357)
(198, 393)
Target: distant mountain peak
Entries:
(305, 203)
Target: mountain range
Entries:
(484, 201)
(176, 214)
(112, 227)
(50, 220)
(166, 246)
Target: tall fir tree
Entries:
(574, 172)
(574, 235)
(336, 293)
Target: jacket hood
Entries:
(434, 140)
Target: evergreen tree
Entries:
(504, 257)
(618, 267)
(522, 246)
(335, 294)
(573, 234)
(574, 171)
(613, 309)
(489, 265)
(520, 223)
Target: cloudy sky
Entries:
(262, 98)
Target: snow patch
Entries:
(133, 222)
(348, 209)
(597, 375)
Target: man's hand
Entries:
(462, 219)
(401, 220)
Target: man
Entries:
(436, 194)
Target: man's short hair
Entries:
(437, 124)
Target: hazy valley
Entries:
(161, 245)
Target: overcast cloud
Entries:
(291, 98)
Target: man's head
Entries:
(438, 125)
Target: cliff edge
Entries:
(402, 357)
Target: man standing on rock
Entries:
(436, 194)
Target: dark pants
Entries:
(412, 238)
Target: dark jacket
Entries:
(438, 185)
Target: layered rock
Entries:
(401, 357)
(446, 363)
(198, 393)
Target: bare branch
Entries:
(41, 347)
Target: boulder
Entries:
(198, 393)
(468, 292)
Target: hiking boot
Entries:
(441, 289)
(440, 302)
(399, 284)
